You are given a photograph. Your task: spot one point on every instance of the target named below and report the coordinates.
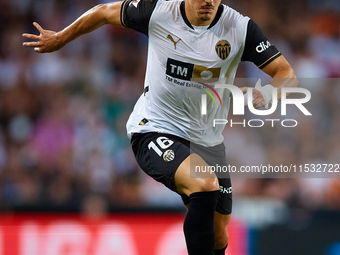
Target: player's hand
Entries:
(47, 41)
(262, 96)
(258, 99)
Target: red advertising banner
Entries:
(128, 234)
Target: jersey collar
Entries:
(217, 17)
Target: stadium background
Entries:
(65, 162)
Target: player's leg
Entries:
(215, 156)
(168, 159)
(221, 222)
(221, 233)
(188, 180)
(223, 214)
(203, 192)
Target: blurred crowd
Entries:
(63, 143)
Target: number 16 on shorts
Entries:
(163, 143)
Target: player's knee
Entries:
(208, 184)
(221, 240)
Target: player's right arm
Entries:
(49, 41)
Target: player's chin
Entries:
(206, 16)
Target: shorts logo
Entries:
(226, 190)
(223, 49)
(169, 155)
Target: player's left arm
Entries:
(269, 59)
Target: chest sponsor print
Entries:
(190, 75)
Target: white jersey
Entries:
(184, 63)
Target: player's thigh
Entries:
(193, 175)
(160, 155)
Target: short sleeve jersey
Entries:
(185, 62)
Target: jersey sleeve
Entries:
(136, 14)
(258, 49)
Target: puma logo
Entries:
(172, 39)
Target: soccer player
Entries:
(193, 45)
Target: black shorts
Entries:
(159, 155)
